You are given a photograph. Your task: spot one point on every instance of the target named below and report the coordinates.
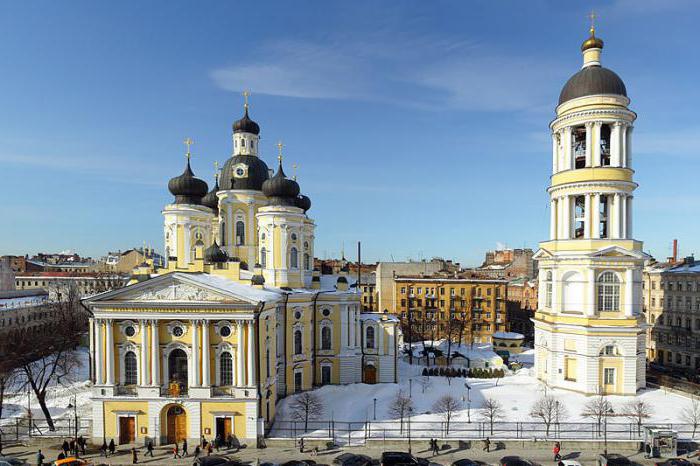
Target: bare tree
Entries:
(305, 407)
(424, 382)
(549, 410)
(401, 407)
(597, 408)
(9, 380)
(691, 414)
(447, 406)
(491, 411)
(638, 411)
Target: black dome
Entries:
(214, 254)
(257, 173)
(592, 80)
(211, 200)
(258, 280)
(303, 202)
(280, 189)
(186, 188)
(246, 125)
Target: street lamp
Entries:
(74, 405)
(609, 412)
(410, 411)
(375, 409)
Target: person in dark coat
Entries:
(103, 448)
(204, 442)
(210, 449)
(176, 451)
(65, 447)
(112, 447)
(39, 458)
(149, 448)
(217, 442)
(184, 448)
(436, 448)
(73, 447)
(61, 456)
(197, 452)
(81, 444)
(134, 456)
(487, 445)
(229, 441)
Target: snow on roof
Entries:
(509, 335)
(378, 316)
(230, 286)
(685, 268)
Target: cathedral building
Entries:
(589, 328)
(236, 320)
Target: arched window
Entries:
(222, 232)
(240, 233)
(369, 338)
(263, 258)
(307, 264)
(548, 290)
(226, 369)
(608, 292)
(267, 362)
(130, 370)
(325, 338)
(297, 342)
(293, 258)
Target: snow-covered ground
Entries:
(58, 397)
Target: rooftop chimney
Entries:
(675, 251)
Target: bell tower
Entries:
(589, 331)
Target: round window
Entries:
(178, 331)
(326, 312)
(294, 236)
(225, 331)
(130, 331)
(240, 172)
(297, 315)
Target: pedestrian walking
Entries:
(301, 445)
(204, 442)
(210, 449)
(176, 451)
(314, 451)
(556, 450)
(82, 443)
(39, 458)
(184, 448)
(112, 447)
(217, 441)
(65, 447)
(61, 456)
(103, 449)
(134, 456)
(197, 452)
(73, 447)
(487, 445)
(436, 448)
(149, 448)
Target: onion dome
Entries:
(593, 79)
(215, 255)
(211, 200)
(280, 189)
(246, 125)
(257, 280)
(342, 279)
(186, 188)
(244, 172)
(303, 202)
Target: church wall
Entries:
(115, 409)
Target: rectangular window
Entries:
(297, 381)
(570, 369)
(442, 290)
(609, 376)
(325, 375)
(403, 303)
(403, 290)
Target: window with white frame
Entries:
(294, 258)
(608, 292)
(226, 368)
(369, 338)
(130, 369)
(548, 290)
(325, 338)
(609, 376)
(297, 342)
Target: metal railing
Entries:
(174, 391)
(24, 428)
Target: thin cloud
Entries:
(682, 143)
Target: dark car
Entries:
(214, 460)
(468, 462)
(299, 463)
(398, 458)
(350, 459)
(515, 461)
(676, 462)
(613, 459)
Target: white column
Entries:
(351, 326)
(553, 219)
(99, 353)
(629, 284)
(589, 144)
(194, 379)
(615, 145)
(251, 353)
(591, 305)
(145, 372)
(628, 146)
(595, 216)
(623, 216)
(239, 354)
(623, 145)
(555, 153)
(205, 354)
(555, 290)
(615, 216)
(566, 217)
(629, 217)
(596, 143)
(344, 330)
(568, 153)
(587, 216)
(109, 356)
(155, 361)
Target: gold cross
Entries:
(188, 142)
(216, 170)
(246, 94)
(592, 16)
(295, 166)
(279, 148)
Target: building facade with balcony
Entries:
(208, 344)
(589, 328)
(463, 309)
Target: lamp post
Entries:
(74, 405)
(609, 412)
(410, 411)
(410, 388)
(375, 409)
(469, 402)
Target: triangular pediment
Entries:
(542, 254)
(180, 288)
(617, 251)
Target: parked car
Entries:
(72, 461)
(676, 462)
(515, 461)
(351, 459)
(613, 459)
(214, 460)
(401, 458)
(568, 463)
(11, 461)
(468, 462)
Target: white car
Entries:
(569, 463)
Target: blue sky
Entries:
(420, 128)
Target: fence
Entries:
(22, 428)
(357, 433)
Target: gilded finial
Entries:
(294, 167)
(279, 149)
(592, 16)
(188, 142)
(246, 94)
(216, 170)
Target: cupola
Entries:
(186, 188)
(215, 255)
(279, 189)
(211, 200)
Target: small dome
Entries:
(215, 255)
(303, 202)
(186, 188)
(342, 279)
(280, 189)
(592, 80)
(258, 280)
(211, 200)
(244, 172)
(592, 42)
(246, 125)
